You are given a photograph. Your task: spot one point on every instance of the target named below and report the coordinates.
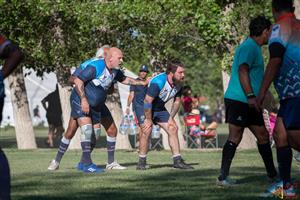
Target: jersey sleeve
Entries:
(120, 77)
(153, 90)
(280, 34)
(131, 88)
(88, 74)
(77, 72)
(245, 56)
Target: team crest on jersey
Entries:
(275, 31)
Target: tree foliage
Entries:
(58, 34)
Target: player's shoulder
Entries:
(159, 79)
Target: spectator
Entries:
(51, 104)
(187, 99)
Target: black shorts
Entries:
(240, 114)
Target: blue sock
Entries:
(86, 153)
(64, 144)
(111, 145)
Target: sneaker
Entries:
(141, 164)
(92, 168)
(53, 165)
(228, 182)
(289, 192)
(80, 166)
(274, 189)
(115, 165)
(180, 164)
(297, 157)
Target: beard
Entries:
(177, 82)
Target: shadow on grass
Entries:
(171, 184)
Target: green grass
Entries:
(31, 180)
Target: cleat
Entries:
(115, 165)
(80, 166)
(141, 164)
(180, 164)
(53, 165)
(275, 189)
(92, 168)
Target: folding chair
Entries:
(191, 120)
(211, 136)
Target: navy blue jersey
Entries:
(139, 94)
(97, 80)
(162, 91)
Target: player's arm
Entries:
(85, 75)
(175, 107)
(132, 81)
(277, 51)
(74, 75)
(129, 100)
(12, 56)
(148, 107)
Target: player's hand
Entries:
(260, 100)
(85, 107)
(253, 103)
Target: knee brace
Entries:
(86, 132)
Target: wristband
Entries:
(250, 95)
(147, 105)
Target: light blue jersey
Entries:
(249, 52)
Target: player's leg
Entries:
(108, 123)
(64, 143)
(163, 120)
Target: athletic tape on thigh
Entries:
(86, 132)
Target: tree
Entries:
(23, 124)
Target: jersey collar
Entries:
(286, 15)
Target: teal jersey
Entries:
(250, 53)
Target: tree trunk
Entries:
(113, 103)
(64, 94)
(23, 124)
(297, 11)
(248, 141)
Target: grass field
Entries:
(31, 180)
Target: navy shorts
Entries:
(289, 112)
(240, 114)
(76, 112)
(139, 113)
(160, 116)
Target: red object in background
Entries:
(187, 104)
(2, 39)
(192, 120)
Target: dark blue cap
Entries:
(144, 68)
